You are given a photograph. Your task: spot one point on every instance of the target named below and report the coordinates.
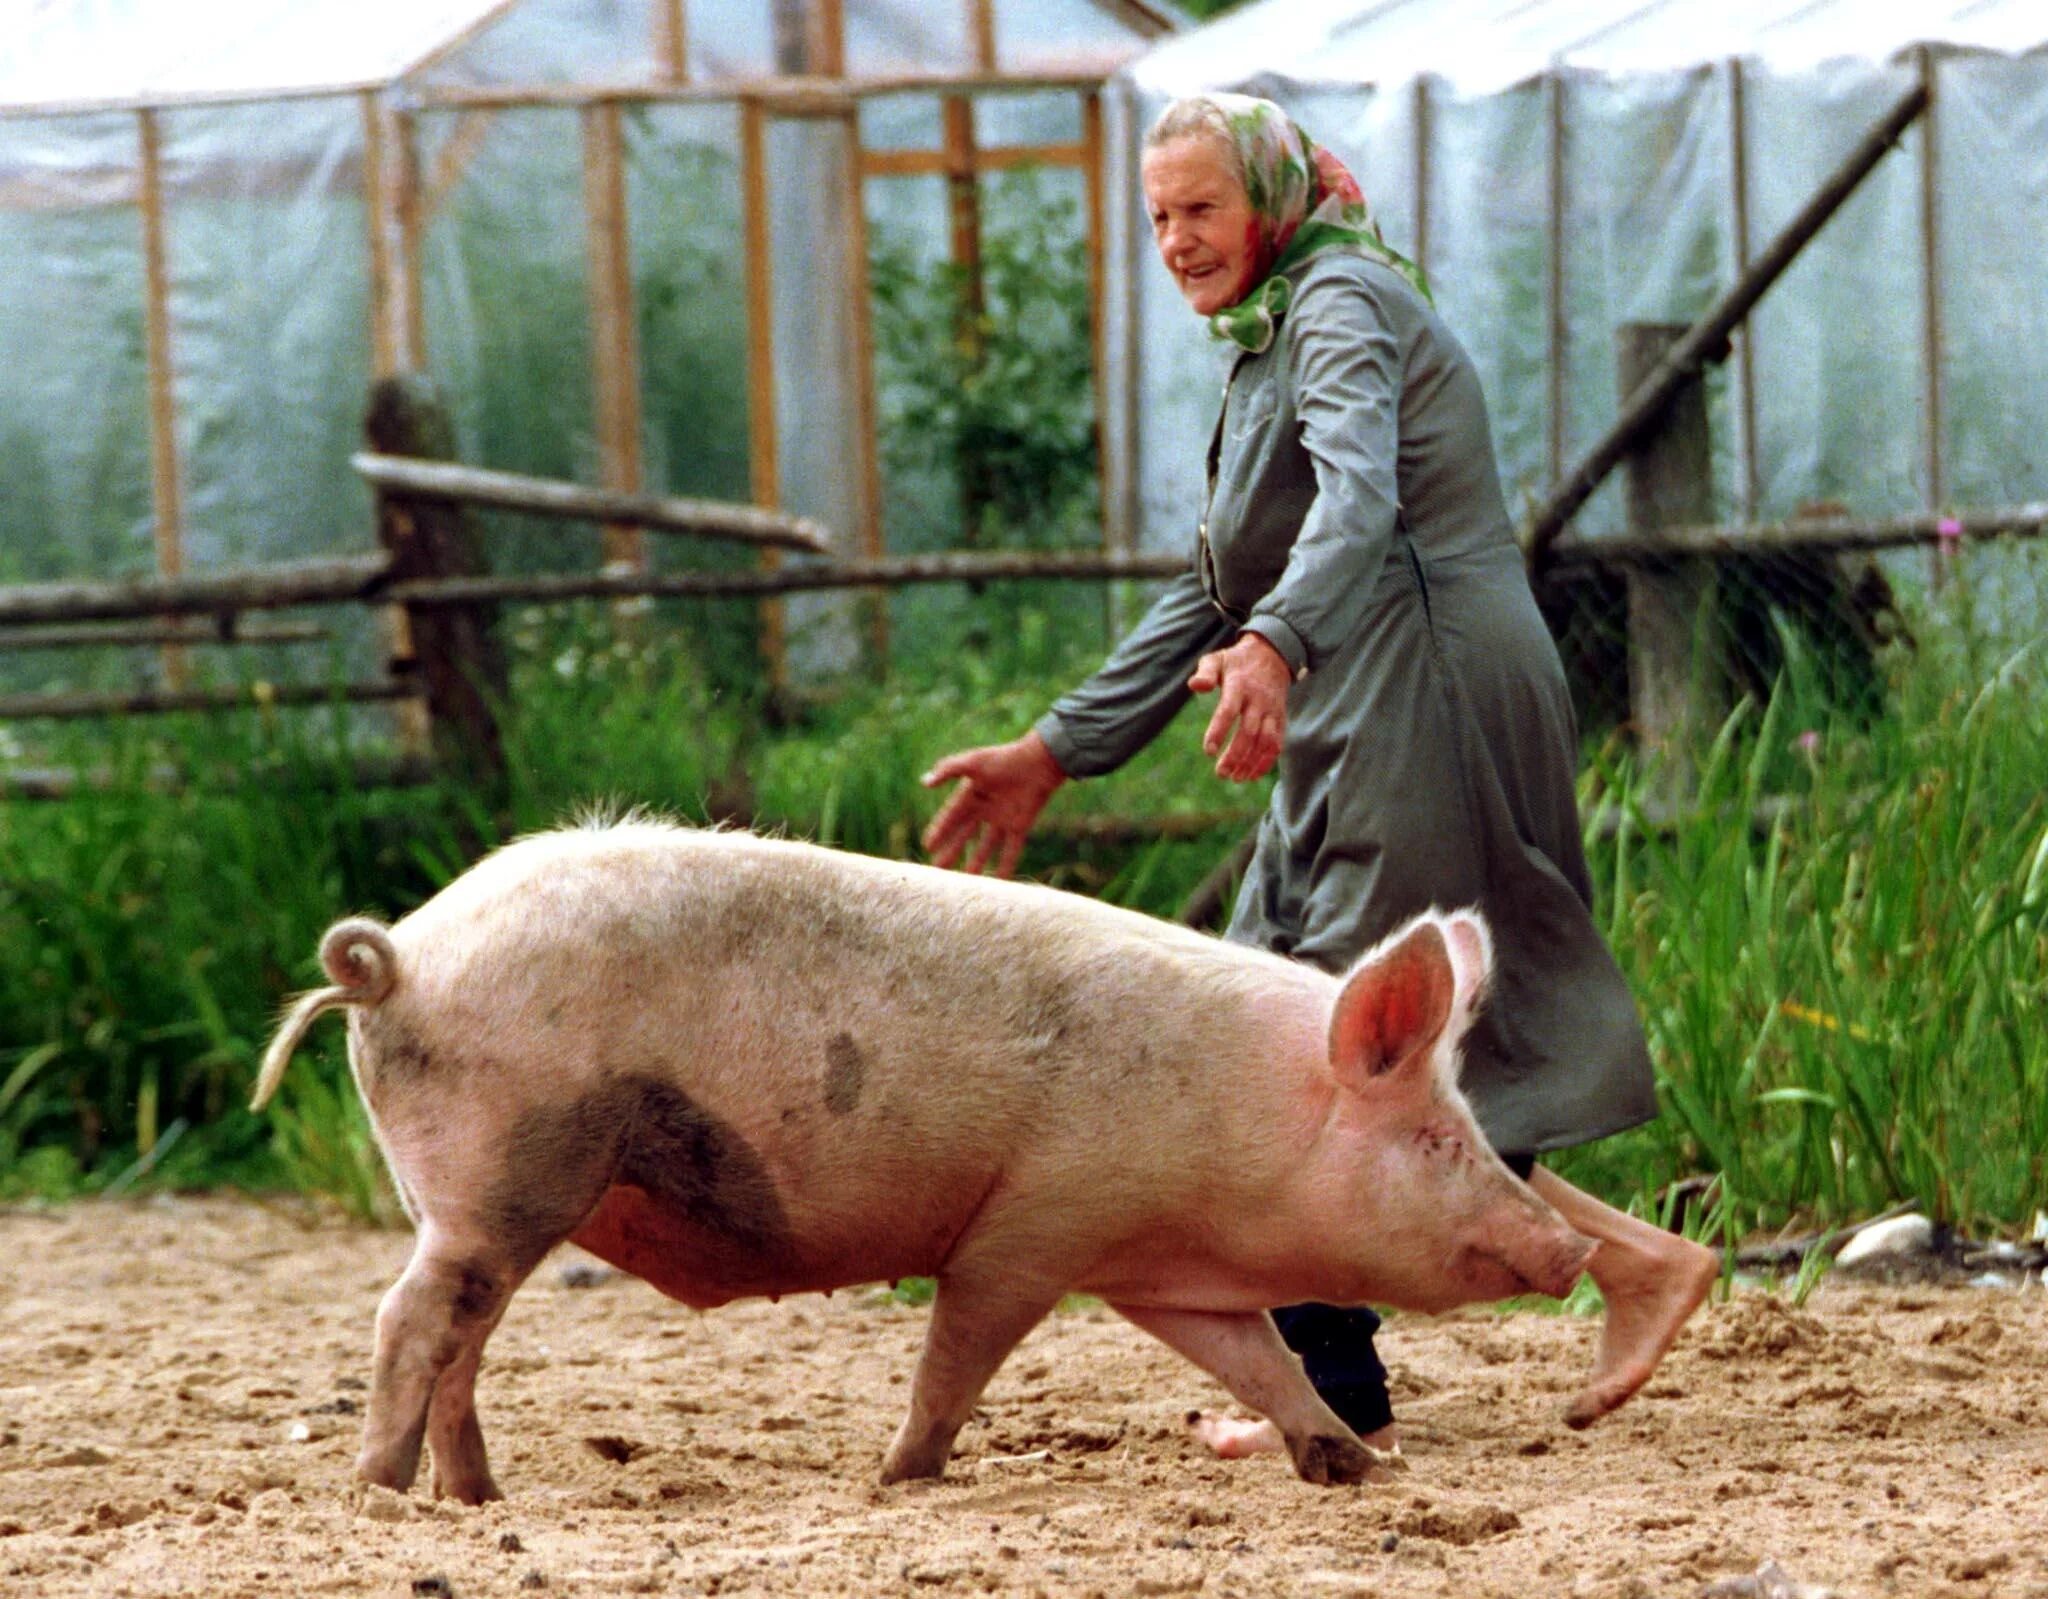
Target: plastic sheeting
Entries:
(1836, 349)
(140, 52)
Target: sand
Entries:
(181, 1381)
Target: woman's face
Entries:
(1203, 222)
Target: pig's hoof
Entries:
(1332, 1461)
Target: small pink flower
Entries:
(1948, 529)
(1808, 742)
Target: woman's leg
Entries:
(1652, 1281)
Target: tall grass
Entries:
(1842, 958)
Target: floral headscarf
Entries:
(1306, 202)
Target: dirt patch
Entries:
(181, 1384)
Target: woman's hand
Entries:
(1254, 678)
(1002, 789)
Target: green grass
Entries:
(1845, 995)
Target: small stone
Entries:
(1389, 1542)
(435, 1587)
(270, 1507)
(381, 1504)
(1910, 1234)
(508, 1543)
(299, 1433)
(534, 1579)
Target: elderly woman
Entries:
(1359, 607)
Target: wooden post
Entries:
(1676, 689)
(378, 223)
(763, 463)
(450, 651)
(412, 321)
(1933, 402)
(672, 41)
(981, 28)
(166, 488)
(867, 442)
(614, 341)
(963, 195)
(1743, 340)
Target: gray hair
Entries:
(1197, 116)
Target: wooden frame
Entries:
(615, 340)
(167, 495)
(1749, 494)
(672, 40)
(869, 537)
(1934, 395)
(764, 470)
(1558, 339)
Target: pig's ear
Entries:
(1394, 1006)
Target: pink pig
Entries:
(737, 1066)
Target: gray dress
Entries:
(1355, 520)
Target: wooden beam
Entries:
(322, 582)
(167, 494)
(458, 41)
(1839, 534)
(785, 93)
(989, 566)
(1707, 340)
(1424, 122)
(130, 636)
(1093, 217)
(411, 322)
(866, 422)
(1557, 341)
(156, 702)
(963, 192)
(539, 496)
(672, 41)
(763, 464)
(993, 158)
(1748, 485)
(453, 160)
(828, 45)
(379, 223)
(614, 334)
(981, 29)
(1934, 397)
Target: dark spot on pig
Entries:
(846, 1071)
(476, 1293)
(699, 1168)
(395, 1055)
(1329, 1460)
(558, 1161)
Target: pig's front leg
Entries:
(978, 1317)
(1244, 1352)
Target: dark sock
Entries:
(1336, 1349)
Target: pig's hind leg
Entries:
(1243, 1351)
(431, 1326)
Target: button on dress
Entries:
(1355, 521)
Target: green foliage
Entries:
(1842, 959)
(996, 390)
(1845, 994)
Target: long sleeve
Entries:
(1140, 688)
(1344, 369)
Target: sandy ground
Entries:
(181, 1383)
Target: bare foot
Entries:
(1652, 1287)
(1236, 1437)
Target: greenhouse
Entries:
(627, 239)
(1564, 167)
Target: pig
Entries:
(735, 1066)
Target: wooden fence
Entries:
(443, 667)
